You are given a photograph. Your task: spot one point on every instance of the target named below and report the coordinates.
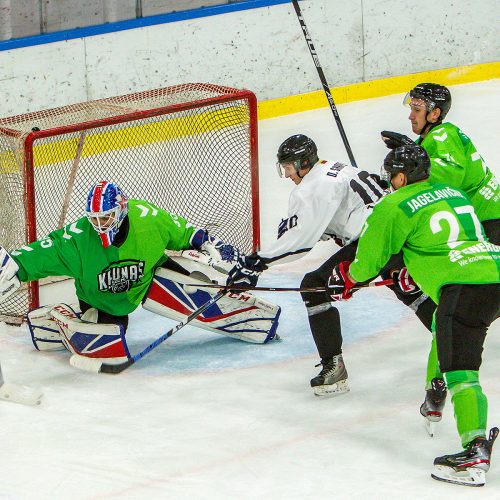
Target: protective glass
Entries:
(385, 175)
(280, 167)
(428, 104)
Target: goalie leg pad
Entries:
(238, 315)
(94, 340)
(44, 331)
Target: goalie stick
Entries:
(19, 393)
(242, 288)
(97, 366)
(322, 77)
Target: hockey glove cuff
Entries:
(339, 285)
(404, 282)
(394, 140)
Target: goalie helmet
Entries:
(106, 209)
(434, 96)
(299, 150)
(411, 160)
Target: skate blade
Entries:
(331, 390)
(430, 427)
(470, 477)
(20, 394)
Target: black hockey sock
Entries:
(326, 331)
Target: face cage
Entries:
(95, 220)
(429, 105)
(281, 169)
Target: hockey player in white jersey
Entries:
(330, 200)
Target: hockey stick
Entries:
(322, 77)
(243, 288)
(97, 366)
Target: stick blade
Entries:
(86, 364)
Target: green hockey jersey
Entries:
(456, 163)
(441, 237)
(112, 279)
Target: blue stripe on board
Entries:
(102, 29)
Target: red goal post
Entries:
(191, 149)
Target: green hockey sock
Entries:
(432, 364)
(469, 403)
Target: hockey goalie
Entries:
(117, 255)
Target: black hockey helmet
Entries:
(299, 150)
(434, 96)
(411, 160)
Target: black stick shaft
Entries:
(324, 83)
(319, 289)
(114, 369)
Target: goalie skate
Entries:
(19, 393)
(332, 379)
(469, 467)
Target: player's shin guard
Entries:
(433, 370)
(469, 403)
(93, 340)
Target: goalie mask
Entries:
(106, 209)
(299, 150)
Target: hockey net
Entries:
(190, 149)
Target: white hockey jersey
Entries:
(332, 201)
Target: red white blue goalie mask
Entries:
(107, 206)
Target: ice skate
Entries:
(432, 407)
(468, 467)
(332, 379)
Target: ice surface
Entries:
(204, 416)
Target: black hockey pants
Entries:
(324, 319)
(104, 317)
(462, 319)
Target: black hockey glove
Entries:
(246, 271)
(394, 140)
(339, 285)
(404, 282)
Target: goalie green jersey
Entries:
(113, 279)
(456, 162)
(439, 233)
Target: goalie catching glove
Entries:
(247, 270)
(339, 285)
(222, 255)
(9, 282)
(394, 140)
